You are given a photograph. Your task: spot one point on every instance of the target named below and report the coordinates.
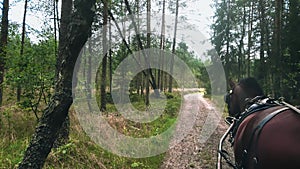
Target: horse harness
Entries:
(256, 104)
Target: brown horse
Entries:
(266, 132)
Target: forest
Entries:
(81, 52)
(260, 39)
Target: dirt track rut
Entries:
(190, 152)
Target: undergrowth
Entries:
(17, 126)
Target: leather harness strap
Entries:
(256, 104)
(290, 106)
(257, 132)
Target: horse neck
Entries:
(242, 104)
(242, 100)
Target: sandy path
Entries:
(190, 152)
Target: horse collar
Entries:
(256, 104)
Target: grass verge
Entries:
(17, 126)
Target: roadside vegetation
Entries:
(17, 126)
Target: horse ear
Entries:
(231, 83)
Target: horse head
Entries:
(236, 98)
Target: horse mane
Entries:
(251, 86)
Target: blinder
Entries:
(227, 97)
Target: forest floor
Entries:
(17, 126)
(190, 152)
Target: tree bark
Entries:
(294, 46)
(262, 20)
(162, 47)
(21, 65)
(241, 58)
(63, 133)
(250, 31)
(148, 46)
(227, 65)
(104, 60)
(173, 47)
(3, 44)
(277, 50)
(57, 110)
(153, 81)
(110, 56)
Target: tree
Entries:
(3, 43)
(173, 47)
(141, 47)
(277, 49)
(222, 37)
(21, 64)
(162, 47)
(148, 46)
(290, 50)
(241, 44)
(269, 32)
(79, 29)
(262, 25)
(104, 60)
(63, 134)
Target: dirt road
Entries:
(190, 152)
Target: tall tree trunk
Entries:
(162, 47)
(55, 26)
(89, 72)
(294, 46)
(139, 82)
(104, 60)
(148, 46)
(250, 30)
(21, 65)
(110, 57)
(57, 14)
(54, 115)
(64, 131)
(277, 51)
(173, 47)
(153, 81)
(241, 56)
(3, 44)
(262, 21)
(227, 65)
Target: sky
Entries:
(198, 13)
(16, 13)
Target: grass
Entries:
(17, 126)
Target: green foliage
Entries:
(80, 152)
(16, 128)
(137, 165)
(169, 95)
(260, 39)
(33, 72)
(134, 97)
(162, 123)
(197, 67)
